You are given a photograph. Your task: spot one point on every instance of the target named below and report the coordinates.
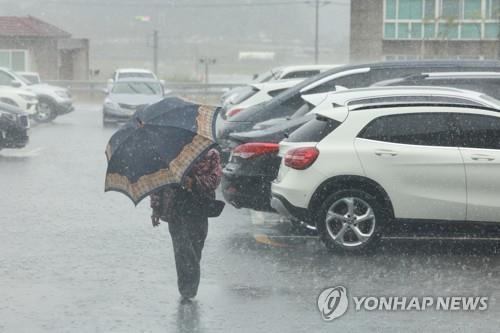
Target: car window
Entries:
(478, 131)
(145, 88)
(303, 110)
(300, 74)
(5, 79)
(428, 129)
(314, 131)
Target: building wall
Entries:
(443, 49)
(42, 54)
(366, 30)
(368, 44)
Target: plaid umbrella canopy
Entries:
(158, 147)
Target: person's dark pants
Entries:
(188, 234)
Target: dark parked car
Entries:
(354, 76)
(14, 125)
(254, 163)
(486, 82)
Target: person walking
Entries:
(186, 208)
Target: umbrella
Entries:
(158, 147)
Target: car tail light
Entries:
(253, 149)
(301, 158)
(233, 112)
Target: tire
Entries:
(46, 111)
(105, 123)
(345, 232)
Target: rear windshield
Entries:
(314, 131)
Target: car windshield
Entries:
(125, 75)
(139, 88)
(31, 78)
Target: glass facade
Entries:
(441, 19)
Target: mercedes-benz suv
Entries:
(364, 164)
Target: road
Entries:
(76, 259)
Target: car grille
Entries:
(24, 121)
(132, 107)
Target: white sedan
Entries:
(21, 98)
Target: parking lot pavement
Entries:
(75, 259)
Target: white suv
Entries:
(368, 160)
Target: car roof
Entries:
(295, 68)
(345, 97)
(133, 70)
(462, 74)
(386, 64)
(278, 84)
(138, 79)
(339, 102)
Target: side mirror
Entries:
(162, 82)
(255, 76)
(16, 84)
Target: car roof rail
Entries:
(470, 105)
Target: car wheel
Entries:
(45, 112)
(350, 221)
(105, 123)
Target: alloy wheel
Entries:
(350, 222)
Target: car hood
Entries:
(12, 109)
(134, 99)
(43, 88)
(10, 90)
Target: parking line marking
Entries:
(264, 239)
(30, 153)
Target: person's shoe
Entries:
(186, 300)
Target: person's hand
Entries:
(155, 220)
(188, 184)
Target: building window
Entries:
(14, 59)
(442, 19)
(492, 9)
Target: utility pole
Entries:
(317, 4)
(155, 52)
(316, 39)
(207, 62)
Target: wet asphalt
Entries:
(76, 259)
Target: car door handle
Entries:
(481, 157)
(385, 152)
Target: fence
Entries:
(98, 89)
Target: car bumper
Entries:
(14, 138)
(286, 209)
(65, 107)
(247, 192)
(113, 116)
